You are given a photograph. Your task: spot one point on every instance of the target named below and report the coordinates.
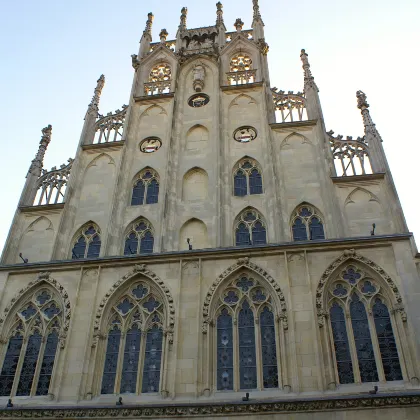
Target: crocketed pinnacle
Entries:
(94, 103)
(309, 81)
(219, 19)
(257, 14)
(149, 23)
(368, 123)
(38, 162)
(183, 19)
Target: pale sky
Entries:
(52, 52)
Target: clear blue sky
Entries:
(52, 53)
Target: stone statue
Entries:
(199, 74)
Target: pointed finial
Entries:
(219, 20)
(257, 14)
(183, 18)
(163, 35)
(238, 25)
(309, 81)
(362, 104)
(149, 23)
(38, 162)
(361, 100)
(94, 103)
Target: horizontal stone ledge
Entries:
(153, 98)
(105, 145)
(357, 178)
(245, 86)
(41, 208)
(215, 409)
(292, 124)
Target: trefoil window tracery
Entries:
(307, 224)
(247, 178)
(250, 229)
(146, 188)
(88, 242)
(240, 70)
(160, 79)
(140, 238)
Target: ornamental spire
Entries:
(38, 162)
(183, 19)
(257, 14)
(219, 20)
(149, 23)
(363, 105)
(309, 81)
(94, 103)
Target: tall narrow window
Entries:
(146, 188)
(250, 229)
(88, 243)
(307, 224)
(136, 338)
(247, 178)
(28, 364)
(140, 238)
(353, 293)
(238, 366)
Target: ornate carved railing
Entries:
(289, 106)
(51, 185)
(157, 88)
(109, 128)
(231, 35)
(351, 157)
(168, 44)
(241, 77)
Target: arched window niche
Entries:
(132, 334)
(245, 322)
(307, 223)
(250, 228)
(247, 178)
(362, 319)
(33, 334)
(87, 242)
(139, 237)
(145, 188)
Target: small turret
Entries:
(220, 24)
(181, 28)
(146, 38)
(257, 22)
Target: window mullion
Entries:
(281, 353)
(117, 384)
(142, 360)
(375, 345)
(248, 189)
(352, 345)
(38, 365)
(19, 365)
(332, 360)
(236, 384)
(258, 352)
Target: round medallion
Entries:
(150, 145)
(245, 134)
(198, 100)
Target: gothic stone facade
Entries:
(211, 239)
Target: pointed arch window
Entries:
(241, 70)
(307, 224)
(247, 178)
(140, 239)
(134, 343)
(246, 350)
(29, 360)
(362, 331)
(250, 229)
(160, 78)
(146, 188)
(88, 242)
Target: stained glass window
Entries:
(10, 364)
(255, 182)
(146, 188)
(224, 351)
(140, 239)
(268, 349)
(242, 235)
(47, 364)
(299, 231)
(131, 360)
(307, 223)
(259, 235)
(240, 184)
(251, 229)
(247, 178)
(111, 360)
(152, 360)
(316, 229)
(88, 244)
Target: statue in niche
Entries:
(199, 74)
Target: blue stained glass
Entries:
(10, 365)
(151, 304)
(138, 194)
(146, 243)
(231, 297)
(363, 342)
(125, 306)
(341, 345)
(111, 361)
(242, 235)
(340, 290)
(305, 212)
(28, 312)
(47, 364)
(351, 276)
(131, 360)
(368, 288)
(259, 296)
(316, 229)
(152, 360)
(244, 284)
(147, 175)
(29, 364)
(387, 344)
(255, 182)
(299, 231)
(224, 351)
(140, 291)
(79, 249)
(141, 226)
(94, 247)
(240, 187)
(250, 217)
(131, 244)
(247, 165)
(51, 311)
(268, 349)
(259, 234)
(152, 192)
(90, 231)
(43, 297)
(247, 355)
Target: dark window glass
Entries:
(152, 360)
(138, 193)
(111, 360)
(316, 229)
(94, 247)
(10, 364)
(79, 249)
(268, 349)
(131, 360)
(364, 348)
(242, 235)
(387, 345)
(255, 182)
(341, 345)
(259, 235)
(224, 351)
(131, 244)
(47, 364)
(240, 188)
(29, 364)
(247, 357)
(299, 231)
(146, 243)
(152, 192)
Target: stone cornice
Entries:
(293, 124)
(216, 409)
(214, 253)
(151, 99)
(246, 86)
(358, 178)
(42, 208)
(100, 146)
